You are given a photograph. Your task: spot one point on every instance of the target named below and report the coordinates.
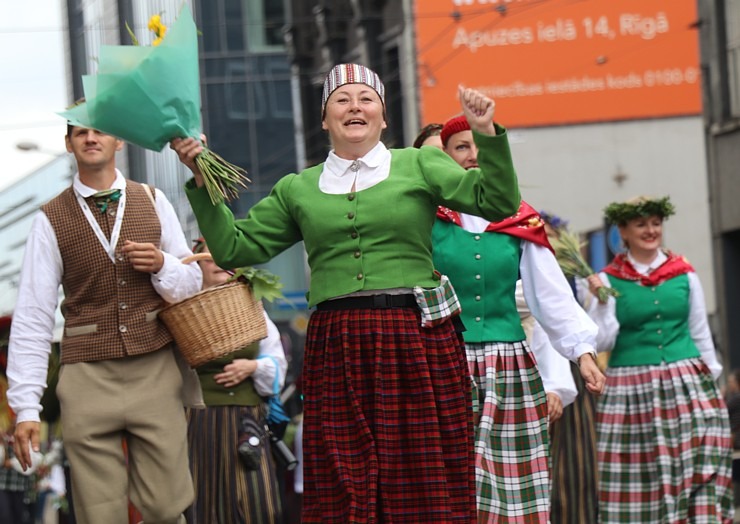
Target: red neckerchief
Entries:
(675, 265)
(525, 224)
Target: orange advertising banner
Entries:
(554, 62)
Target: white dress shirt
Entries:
(554, 368)
(41, 276)
(605, 315)
(270, 346)
(339, 174)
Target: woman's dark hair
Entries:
(427, 131)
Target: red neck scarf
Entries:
(525, 224)
(675, 265)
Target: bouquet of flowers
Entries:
(567, 246)
(149, 95)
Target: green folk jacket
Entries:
(377, 238)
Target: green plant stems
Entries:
(221, 178)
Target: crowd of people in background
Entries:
(450, 370)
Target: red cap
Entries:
(453, 126)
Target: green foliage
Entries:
(264, 284)
(567, 247)
(622, 212)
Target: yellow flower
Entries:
(158, 28)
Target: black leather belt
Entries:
(368, 302)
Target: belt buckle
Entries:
(381, 301)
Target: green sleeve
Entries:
(490, 191)
(268, 229)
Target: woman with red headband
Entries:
(388, 426)
(484, 259)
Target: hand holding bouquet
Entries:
(567, 246)
(151, 95)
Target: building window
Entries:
(732, 16)
(238, 26)
(265, 19)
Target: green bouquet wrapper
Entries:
(149, 95)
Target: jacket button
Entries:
(122, 282)
(351, 197)
(656, 302)
(477, 297)
(360, 276)
(353, 234)
(357, 254)
(122, 329)
(477, 256)
(477, 277)
(477, 237)
(350, 215)
(122, 305)
(477, 319)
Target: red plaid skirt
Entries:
(388, 433)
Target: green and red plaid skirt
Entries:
(511, 440)
(664, 446)
(387, 420)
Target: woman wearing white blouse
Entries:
(663, 430)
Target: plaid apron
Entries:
(664, 446)
(511, 440)
(387, 420)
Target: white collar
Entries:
(86, 191)
(645, 269)
(339, 167)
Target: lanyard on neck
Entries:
(108, 245)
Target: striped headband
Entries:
(351, 74)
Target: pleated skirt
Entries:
(387, 420)
(574, 474)
(665, 454)
(225, 491)
(511, 438)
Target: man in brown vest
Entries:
(115, 249)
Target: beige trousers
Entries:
(137, 399)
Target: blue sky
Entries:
(33, 84)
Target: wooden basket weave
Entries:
(215, 322)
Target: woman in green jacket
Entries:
(387, 418)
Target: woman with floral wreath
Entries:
(664, 444)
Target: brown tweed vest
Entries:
(110, 310)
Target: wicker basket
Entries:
(215, 322)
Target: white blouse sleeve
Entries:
(175, 281)
(605, 315)
(549, 296)
(32, 330)
(699, 327)
(264, 375)
(554, 369)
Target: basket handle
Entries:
(196, 257)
